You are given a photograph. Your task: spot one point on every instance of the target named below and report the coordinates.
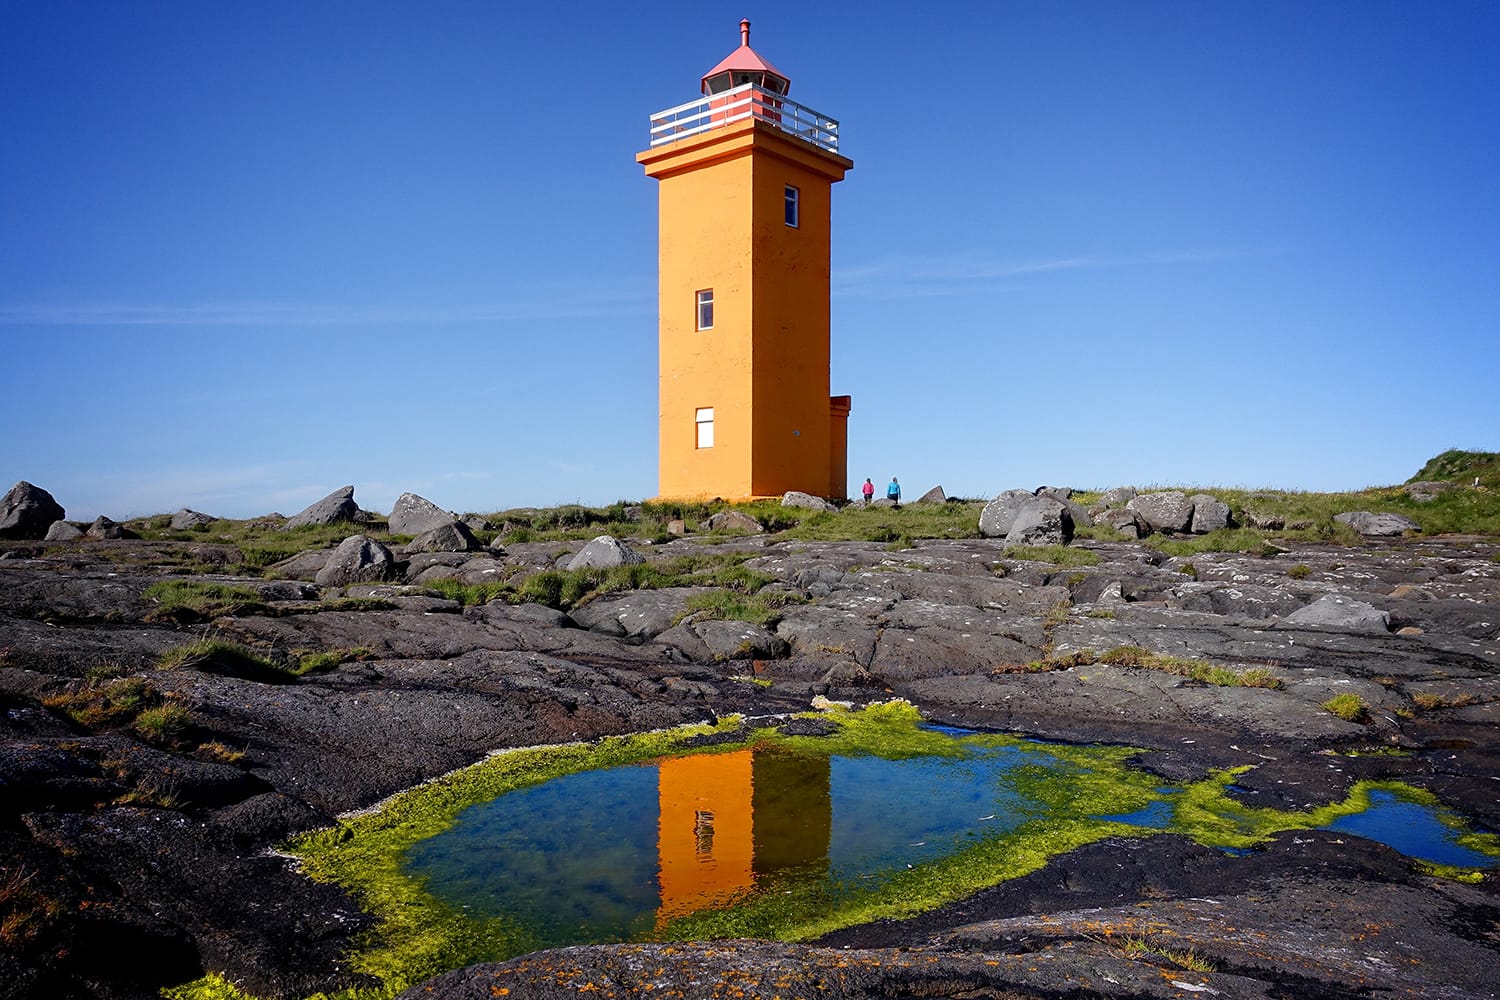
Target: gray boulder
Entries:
(302, 566)
(605, 552)
(1123, 520)
(1335, 611)
(734, 520)
(1000, 513)
(358, 559)
(1043, 521)
(1378, 525)
(336, 506)
(1080, 514)
(450, 536)
(103, 527)
(794, 498)
(1426, 492)
(1209, 514)
(1264, 521)
(1055, 492)
(63, 531)
(27, 511)
(1168, 511)
(414, 515)
(1118, 497)
(882, 502)
(186, 520)
(934, 495)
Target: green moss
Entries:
(417, 936)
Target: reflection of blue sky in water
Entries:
(1412, 829)
(574, 858)
(891, 813)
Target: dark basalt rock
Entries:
(414, 515)
(336, 506)
(27, 511)
(162, 849)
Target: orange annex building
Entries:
(746, 178)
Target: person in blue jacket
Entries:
(893, 491)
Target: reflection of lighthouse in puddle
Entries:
(727, 821)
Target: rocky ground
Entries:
(136, 846)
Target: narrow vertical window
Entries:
(705, 418)
(706, 309)
(793, 207)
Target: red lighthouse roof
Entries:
(744, 65)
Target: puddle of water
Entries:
(1416, 830)
(618, 854)
(614, 854)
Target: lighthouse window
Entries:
(705, 420)
(793, 206)
(706, 309)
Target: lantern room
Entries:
(744, 65)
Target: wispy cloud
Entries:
(272, 314)
(898, 276)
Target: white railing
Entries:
(743, 102)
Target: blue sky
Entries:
(250, 253)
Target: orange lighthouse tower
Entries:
(746, 182)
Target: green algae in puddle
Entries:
(1058, 798)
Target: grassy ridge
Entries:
(1464, 508)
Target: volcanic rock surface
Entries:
(136, 858)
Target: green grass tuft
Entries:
(1057, 555)
(194, 601)
(220, 657)
(728, 605)
(167, 723)
(1349, 707)
(1135, 656)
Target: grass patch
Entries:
(1135, 656)
(215, 656)
(1246, 540)
(563, 589)
(1349, 707)
(167, 723)
(219, 753)
(1462, 467)
(193, 601)
(470, 594)
(318, 662)
(729, 605)
(899, 526)
(26, 908)
(109, 705)
(1057, 555)
(1149, 948)
(1301, 571)
(1430, 702)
